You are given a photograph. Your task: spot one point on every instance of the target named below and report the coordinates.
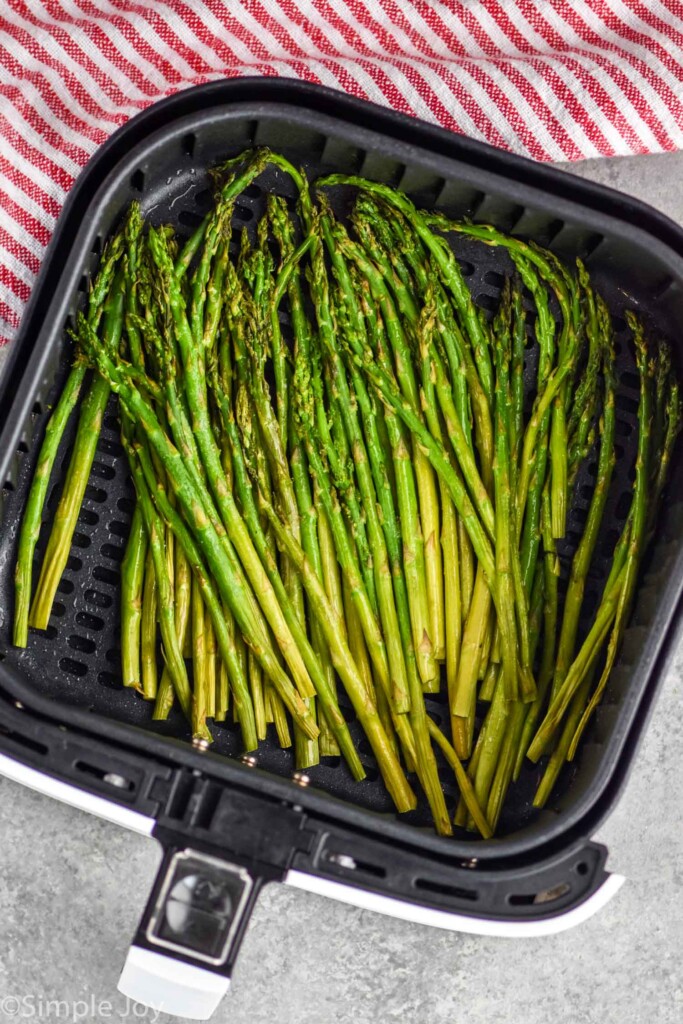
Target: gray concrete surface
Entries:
(72, 887)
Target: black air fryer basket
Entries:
(68, 728)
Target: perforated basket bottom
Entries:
(76, 661)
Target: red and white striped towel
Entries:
(554, 80)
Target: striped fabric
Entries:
(554, 80)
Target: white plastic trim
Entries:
(456, 922)
(171, 986)
(74, 796)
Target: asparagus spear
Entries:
(172, 650)
(584, 553)
(148, 625)
(54, 432)
(639, 522)
(132, 577)
(82, 458)
(243, 460)
(193, 501)
(346, 667)
(195, 388)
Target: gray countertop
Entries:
(72, 889)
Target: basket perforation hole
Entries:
(466, 268)
(623, 505)
(626, 404)
(98, 599)
(119, 528)
(580, 515)
(97, 494)
(103, 471)
(475, 204)
(102, 774)
(104, 575)
(112, 551)
(82, 644)
(8, 486)
(623, 428)
(113, 656)
(609, 540)
(350, 862)
(203, 197)
(108, 447)
(88, 621)
(65, 586)
(37, 409)
(620, 326)
(126, 505)
(487, 302)
(582, 868)
(88, 517)
(73, 667)
(84, 283)
(22, 447)
(492, 277)
(137, 180)
(81, 540)
(74, 564)
(513, 217)
(188, 144)
(630, 380)
(253, 191)
(96, 249)
(58, 609)
(553, 230)
(243, 214)
(110, 680)
(443, 889)
(591, 244)
(190, 219)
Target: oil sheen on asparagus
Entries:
(350, 479)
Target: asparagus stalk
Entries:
(243, 461)
(193, 501)
(54, 432)
(182, 602)
(132, 580)
(148, 625)
(382, 285)
(195, 388)
(638, 531)
(584, 553)
(346, 667)
(87, 436)
(372, 469)
(172, 650)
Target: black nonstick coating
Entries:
(76, 661)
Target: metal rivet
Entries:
(115, 780)
(248, 760)
(199, 743)
(18, 705)
(301, 779)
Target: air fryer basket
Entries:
(75, 663)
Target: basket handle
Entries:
(171, 986)
(189, 935)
